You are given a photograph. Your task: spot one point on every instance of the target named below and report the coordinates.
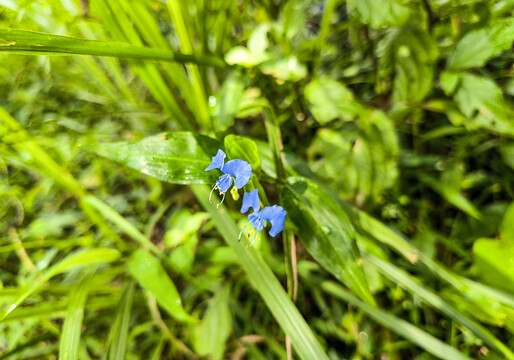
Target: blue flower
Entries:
(238, 169)
(275, 214)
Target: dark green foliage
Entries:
(384, 128)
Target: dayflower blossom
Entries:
(275, 214)
(238, 169)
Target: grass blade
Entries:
(35, 43)
(70, 336)
(87, 257)
(119, 329)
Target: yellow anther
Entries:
(243, 226)
(217, 206)
(234, 193)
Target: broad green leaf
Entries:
(401, 327)
(285, 69)
(479, 46)
(494, 261)
(265, 283)
(481, 101)
(329, 100)
(179, 157)
(150, 274)
(381, 13)
(326, 232)
(120, 326)
(33, 43)
(227, 104)
(87, 257)
(214, 329)
(239, 147)
(256, 52)
(72, 328)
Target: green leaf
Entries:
(326, 232)
(285, 69)
(381, 13)
(150, 274)
(213, 331)
(70, 335)
(479, 46)
(329, 100)
(179, 158)
(239, 147)
(120, 326)
(87, 257)
(33, 43)
(256, 52)
(494, 261)
(481, 101)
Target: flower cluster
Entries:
(240, 172)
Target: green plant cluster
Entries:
(384, 128)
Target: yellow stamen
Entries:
(234, 193)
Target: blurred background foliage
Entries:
(397, 125)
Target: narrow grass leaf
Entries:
(70, 335)
(88, 257)
(119, 329)
(34, 43)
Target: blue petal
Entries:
(217, 161)
(251, 200)
(276, 215)
(224, 183)
(239, 169)
(256, 221)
